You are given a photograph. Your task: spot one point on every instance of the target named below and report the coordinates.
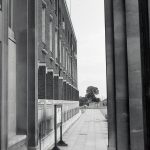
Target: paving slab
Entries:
(88, 133)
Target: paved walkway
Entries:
(88, 133)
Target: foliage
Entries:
(90, 94)
(83, 101)
(97, 100)
(92, 89)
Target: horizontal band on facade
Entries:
(49, 70)
(56, 75)
(41, 64)
(61, 78)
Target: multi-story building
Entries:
(38, 68)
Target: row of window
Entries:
(63, 56)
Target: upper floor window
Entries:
(60, 51)
(66, 63)
(64, 56)
(56, 44)
(50, 35)
(43, 21)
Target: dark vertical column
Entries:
(20, 28)
(3, 73)
(60, 88)
(121, 75)
(77, 95)
(32, 76)
(134, 75)
(67, 91)
(56, 90)
(74, 94)
(42, 82)
(49, 85)
(71, 93)
(64, 87)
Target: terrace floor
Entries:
(88, 133)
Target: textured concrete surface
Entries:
(89, 132)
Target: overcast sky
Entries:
(88, 21)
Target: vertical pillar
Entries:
(64, 87)
(71, 93)
(49, 85)
(56, 88)
(67, 91)
(3, 72)
(20, 28)
(121, 75)
(77, 95)
(134, 75)
(60, 88)
(32, 75)
(42, 81)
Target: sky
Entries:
(88, 21)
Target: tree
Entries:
(91, 91)
(83, 101)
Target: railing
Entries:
(46, 114)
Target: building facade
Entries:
(127, 53)
(38, 68)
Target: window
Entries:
(43, 22)
(70, 66)
(50, 35)
(64, 56)
(56, 45)
(68, 63)
(60, 57)
(66, 60)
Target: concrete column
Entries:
(3, 73)
(134, 75)
(20, 28)
(32, 75)
(121, 76)
(56, 88)
(110, 74)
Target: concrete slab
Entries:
(89, 132)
